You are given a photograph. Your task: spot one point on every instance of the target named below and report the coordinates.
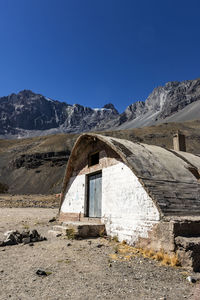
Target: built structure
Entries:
(147, 195)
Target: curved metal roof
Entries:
(169, 177)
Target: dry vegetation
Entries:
(122, 252)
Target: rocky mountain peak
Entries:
(112, 107)
(171, 84)
(29, 114)
(26, 93)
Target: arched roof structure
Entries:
(171, 178)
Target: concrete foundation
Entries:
(176, 236)
(80, 229)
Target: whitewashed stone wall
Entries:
(127, 210)
(75, 196)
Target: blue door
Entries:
(94, 195)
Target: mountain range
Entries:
(28, 114)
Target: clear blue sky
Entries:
(93, 52)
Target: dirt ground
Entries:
(79, 269)
(37, 200)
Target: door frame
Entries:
(87, 194)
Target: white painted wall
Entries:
(127, 210)
(75, 196)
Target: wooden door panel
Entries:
(95, 195)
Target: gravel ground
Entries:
(34, 200)
(79, 269)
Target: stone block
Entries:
(60, 228)
(188, 250)
(80, 229)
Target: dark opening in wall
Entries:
(93, 159)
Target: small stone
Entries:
(25, 234)
(191, 279)
(31, 244)
(26, 240)
(15, 237)
(69, 244)
(99, 245)
(89, 242)
(10, 241)
(41, 272)
(35, 234)
(8, 232)
(52, 220)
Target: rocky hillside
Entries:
(37, 165)
(27, 114)
(173, 102)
